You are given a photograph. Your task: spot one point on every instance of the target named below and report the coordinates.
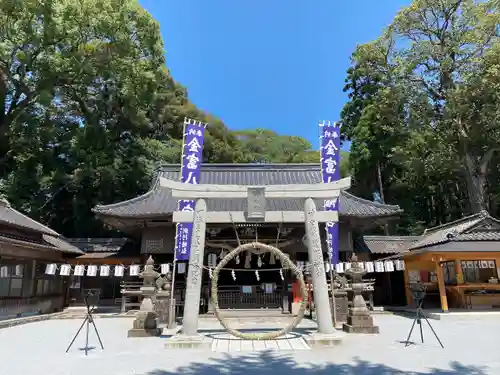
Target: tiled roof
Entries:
(62, 244)
(158, 201)
(477, 227)
(10, 216)
(479, 236)
(98, 245)
(390, 244)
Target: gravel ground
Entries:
(471, 348)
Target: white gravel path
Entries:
(472, 347)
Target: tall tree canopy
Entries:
(90, 109)
(423, 110)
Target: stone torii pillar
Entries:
(320, 288)
(189, 337)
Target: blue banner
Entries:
(330, 170)
(192, 157)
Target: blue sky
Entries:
(272, 64)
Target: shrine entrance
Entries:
(286, 263)
(309, 216)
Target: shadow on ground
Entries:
(268, 362)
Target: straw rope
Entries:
(286, 263)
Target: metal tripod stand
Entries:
(89, 319)
(418, 292)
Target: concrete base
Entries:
(316, 340)
(192, 342)
(353, 329)
(361, 322)
(137, 332)
(171, 331)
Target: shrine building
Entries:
(147, 223)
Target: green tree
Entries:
(414, 108)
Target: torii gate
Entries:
(256, 198)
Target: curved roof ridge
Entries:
(390, 237)
(479, 215)
(376, 204)
(139, 198)
(233, 166)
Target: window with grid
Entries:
(11, 277)
(479, 271)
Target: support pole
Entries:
(442, 287)
(332, 285)
(171, 306)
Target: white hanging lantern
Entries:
(134, 270)
(79, 270)
(272, 259)
(248, 259)
(259, 262)
(104, 270)
(339, 268)
(369, 267)
(281, 274)
(379, 267)
(233, 274)
(257, 275)
(19, 270)
(400, 265)
(165, 269)
(237, 259)
(119, 271)
(65, 270)
(210, 273)
(92, 270)
(389, 266)
(50, 269)
(181, 268)
(212, 260)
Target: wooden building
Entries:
(147, 219)
(102, 251)
(26, 247)
(459, 262)
(389, 286)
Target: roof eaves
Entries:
(101, 209)
(31, 223)
(396, 208)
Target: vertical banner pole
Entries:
(193, 139)
(329, 138)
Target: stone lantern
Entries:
(146, 323)
(359, 319)
(163, 309)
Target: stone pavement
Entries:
(471, 348)
(223, 342)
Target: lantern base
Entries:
(316, 339)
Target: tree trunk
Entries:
(475, 177)
(381, 190)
